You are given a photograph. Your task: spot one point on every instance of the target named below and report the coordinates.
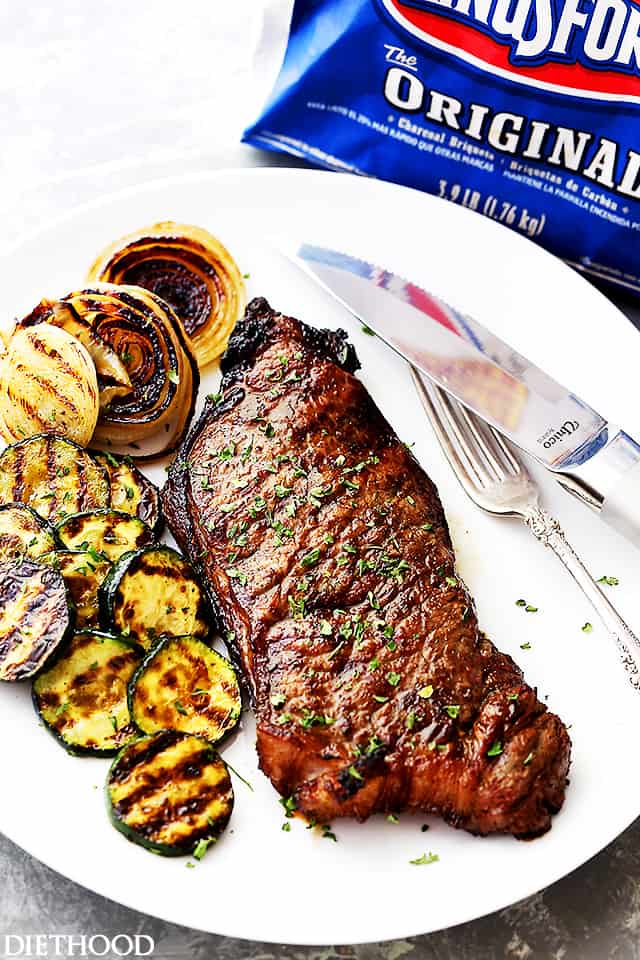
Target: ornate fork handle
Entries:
(549, 532)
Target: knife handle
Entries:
(621, 507)
(610, 484)
(549, 532)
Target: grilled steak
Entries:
(329, 562)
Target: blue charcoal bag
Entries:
(527, 111)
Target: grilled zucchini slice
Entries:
(23, 533)
(131, 491)
(110, 532)
(82, 697)
(55, 477)
(185, 685)
(153, 592)
(35, 617)
(83, 572)
(169, 792)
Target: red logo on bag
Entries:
(585, 47)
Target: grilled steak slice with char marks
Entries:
(327, 554)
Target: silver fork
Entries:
(497, 481)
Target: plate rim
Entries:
(283, 172)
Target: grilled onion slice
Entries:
(143, 331)
(113, 379)
(191, 270)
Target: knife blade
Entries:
(592, 459)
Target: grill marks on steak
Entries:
(327, 554)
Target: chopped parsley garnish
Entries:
(453, 709)
(235, 574)
(325, 628)
(512, 696)
(527, 606)
(369, 332)
(202, 846)
(278, 700)
(374, 664)
(411, 721)
(180, 708)
(95, 555)
(340, 461)
(426, 692)
(426, 858)
(495, 749)
(289, 805)
(173, 376)
(527, 760)
(393, 818)
(327, 833)
(379, 698)
(350, 484)
(297, 607)
(62, 708)
(311, 558)
(587, 627)
(393, 678)
(610, 581)
(355, 773)
(525, 646)
(427, 527)
(281, 491)
(310, 719)
(286, 826)
(451, 581)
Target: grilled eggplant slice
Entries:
(83, 572)
(109, 532)
(170, 792)
(153, 592)
(131, 491)
(23, 533)
(35, 617)
(185, 685)
(53, 476)
(82, 697)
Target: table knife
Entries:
(591, 458)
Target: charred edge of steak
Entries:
(353, 778)
(174, 504)
(251, 332)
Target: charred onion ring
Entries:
(188, 268)
(143, 331)
(113, 379)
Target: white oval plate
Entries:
(262, 883)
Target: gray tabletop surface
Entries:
(99, 96)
